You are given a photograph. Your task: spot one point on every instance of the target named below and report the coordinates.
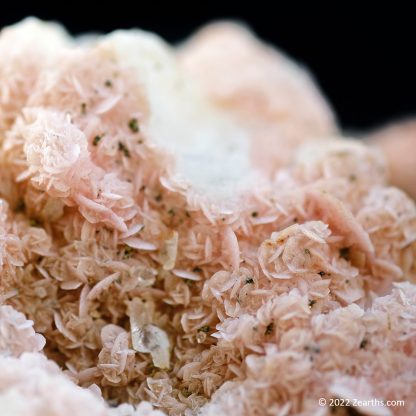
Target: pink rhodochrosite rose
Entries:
(55, 148)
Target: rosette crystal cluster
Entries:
(188, 232)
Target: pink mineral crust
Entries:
(398, 142)
(271, 95)
(165, 271)
(28, 378)
(30, 54)
(17, 333)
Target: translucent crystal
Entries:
(147, 337)
(169, 251)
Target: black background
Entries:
(363, 59)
